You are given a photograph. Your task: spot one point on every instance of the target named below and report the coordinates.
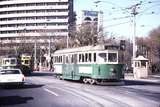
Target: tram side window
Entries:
(112, 57)
(94, 57)
(67, 59)
(72, 58)
(64, 60)
(90, 57)
(86, 57)
(75, 58)
(79, 58)
(54, 59)
(61, 59)
(83, 57)
(58, 59)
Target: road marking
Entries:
(49, 91)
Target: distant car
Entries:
(11, 77)
(0, 67)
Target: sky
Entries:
(116, 20)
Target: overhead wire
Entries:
(119, 18)
(116, 24)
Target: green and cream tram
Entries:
(91, 64)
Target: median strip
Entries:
(51, 92)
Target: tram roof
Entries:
(87, 48)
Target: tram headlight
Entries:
(112, 72)
(111, 69)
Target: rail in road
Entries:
(98, 96)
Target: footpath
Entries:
(155, 78)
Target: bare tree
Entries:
(142, 46)
(86, 34)
(155, 41)
(150, 47)
(154, 44)
(25, 46)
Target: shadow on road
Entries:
(25, 86)
(136, 82)
(42, 74)
(12, 100)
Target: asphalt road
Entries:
(44, 90)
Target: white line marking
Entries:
(49, 91)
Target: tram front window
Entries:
(26, 61)
(6, 62)
(13, 61)
(103, 57)
(112, 57)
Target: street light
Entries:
(49, 51)
(49, 43)
(35, 54)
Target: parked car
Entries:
(11, 77)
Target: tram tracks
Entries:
(93, 100)
(112, 97)
(124, 99)
(101, 96)
(106, 101)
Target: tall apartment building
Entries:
(34, 18)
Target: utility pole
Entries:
(49, 64)
(67, 40)
(48, 33)
(134, 29)
(35, 54)
(134, 13)
(40, 62)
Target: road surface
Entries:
(44, 90)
